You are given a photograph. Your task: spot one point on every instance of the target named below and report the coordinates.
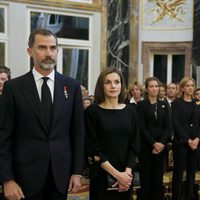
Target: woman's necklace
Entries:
(155, 102)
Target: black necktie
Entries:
(46, 101)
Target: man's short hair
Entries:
(40, 31)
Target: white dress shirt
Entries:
(39, 81)
(169, 101)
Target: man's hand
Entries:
(74, 184)
(12, 190)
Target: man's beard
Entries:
(47, 64)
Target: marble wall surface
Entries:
(118, 28)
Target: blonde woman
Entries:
(135, 92)
(186, 122)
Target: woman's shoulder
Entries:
(178, 103)
(131, 109)
(92, 108)
(142, 102)
(177, 100)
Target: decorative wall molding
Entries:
(169, 47)
(95, 6)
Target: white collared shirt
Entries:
(38, 80)
(169, 101)
(132, 100)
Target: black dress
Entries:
(113, 136)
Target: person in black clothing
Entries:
(4, 76)
(111, 138)
(162, 92)
(171, 95)
(42, 129)
(197, 93)
(186, 122)
(153, 117)
(135, 93)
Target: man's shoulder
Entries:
(67, 79)
(20, 79)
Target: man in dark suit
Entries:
(41, 147)
(171, 93)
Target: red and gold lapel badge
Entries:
(65, 92)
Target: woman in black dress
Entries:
(153, 116)
(112, 138)
(186, 121)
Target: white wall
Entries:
(17, 39)
(18, 32)
(161, 35)
(166, 35)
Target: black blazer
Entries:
(26, 146)
(151, 129)
(185, 128)
(170, 119)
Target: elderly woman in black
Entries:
(153, 117)
(186, 121)
(112, 138)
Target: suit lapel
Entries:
(31, 94)
(58, 97)
(159, 110)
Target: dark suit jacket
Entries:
(26, 146)
(170, 119)
(185, 128)
(151, 129)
